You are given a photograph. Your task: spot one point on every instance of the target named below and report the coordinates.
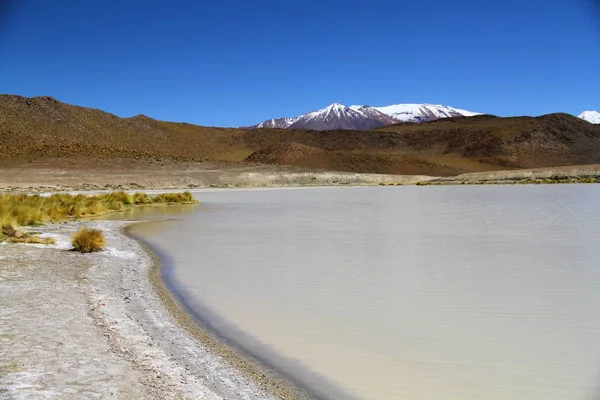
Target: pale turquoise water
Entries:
(460, 292)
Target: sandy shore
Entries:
(92, 326)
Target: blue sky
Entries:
(233, 63)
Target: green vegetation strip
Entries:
(17, 210)
(516, 181)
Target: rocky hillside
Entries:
(45, 128)
(440, 147)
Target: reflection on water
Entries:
(408, 292)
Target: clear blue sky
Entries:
(233, 63)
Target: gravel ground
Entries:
(125, 174)
(78, 326)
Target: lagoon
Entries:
(438, 292)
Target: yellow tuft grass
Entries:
(11, 228)
(185, 197)
(11, 231)
(142, 198)
(88, 240)
(18, 210)
(32, 239)
(28, 210)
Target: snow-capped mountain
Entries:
(423, 112)
(375, 114)
(590, 116)
(339, 116)
(277, 123)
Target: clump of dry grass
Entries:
(18, 210)
(11, 231)
(185, 197)
(35, 210)
(33, 239)
(117, 197)
(88, 240)
(142, 198)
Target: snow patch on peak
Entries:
(590, 116)
(423, 112)
(362, 117)
(359, 108)
(277, 123)
(336, 109)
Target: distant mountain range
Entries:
(43, 128)
(590, 116)
(339, 116)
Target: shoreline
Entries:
(92, 325)
(146, 318)
(190, 320)
(265, 376)
(167, 349)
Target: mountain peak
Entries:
(590, 116)
(334, 107)
(423, 112)
(362, 117)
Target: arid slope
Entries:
(43, 128)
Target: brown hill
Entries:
(287, 154)
(39, 127)
(453, 145)
(44, 128)
(517, 142)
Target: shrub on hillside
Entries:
(88, 240)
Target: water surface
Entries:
(458, 292)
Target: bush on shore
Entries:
(117, 197)
(88, 240)
(12, 232)
(17, 210)
(142, 198)
(11, 229)
(185, 197)
(28, 210)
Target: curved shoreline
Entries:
(226, 340)
(132, 310)
(264, 376)
(91, 325)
